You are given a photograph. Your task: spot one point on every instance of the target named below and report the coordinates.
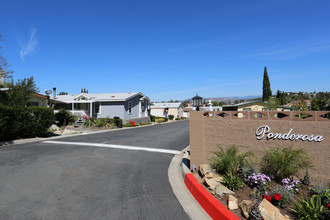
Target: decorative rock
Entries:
(295, 178)
(206, 168)
(212, 182)
(213, 176)
(269, 212)
(246, 207)
(67, 132)
(221, 190)
(232, 203)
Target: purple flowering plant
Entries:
(258, 181)
(291, 185)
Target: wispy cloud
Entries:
(289, 52)
(213, 42)
(31, 46)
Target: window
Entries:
(142, 105)
(246, 109)
(97, 108)
(129, 107)
(265, 109)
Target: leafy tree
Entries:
(19, 93)
(266, 91)
(215, 103)
(282, 97)
(221, 103)
(63, 93)
(171, 101)
(301, 104)
(321, 101)
(272, 104)
(5, 72)
(185, 104)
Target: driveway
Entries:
(86, 178)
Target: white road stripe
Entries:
(116, 146)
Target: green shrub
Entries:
(100, 122)
(118, 122)
(42, 120)
(171, 117)
(306, 180)
(153, 118)
(284, 162)
(142, 124)
(318, 189)
(159, 120)
(287, 195)
(64, 116)
(24, 122)
(177, 119)
(230, 160)
(323, 192)
(247, 169)
(128, 125)
(232, 181)
(6, 120)
(93, 119)
(255, 213)
(309, 208)
(73, 119)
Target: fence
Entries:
(270, 115)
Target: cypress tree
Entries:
(266, 92)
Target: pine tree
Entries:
(266, 92)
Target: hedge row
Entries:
(24, 122)
(153, 118)
(104, 122)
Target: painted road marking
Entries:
(116, 146)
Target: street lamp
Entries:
(197, 102)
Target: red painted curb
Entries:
(211, 205)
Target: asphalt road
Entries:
(53, 181)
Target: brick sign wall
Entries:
(209, 130)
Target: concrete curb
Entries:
(214, 208)
(210, 204)
(187, 201)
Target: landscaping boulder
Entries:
(269, 212)
(246, 207)
(232, 202)
(206, 168)
(221, 190)
(211, 183)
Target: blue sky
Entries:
(169, 49)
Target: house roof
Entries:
(166, 105)
(95, 97)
